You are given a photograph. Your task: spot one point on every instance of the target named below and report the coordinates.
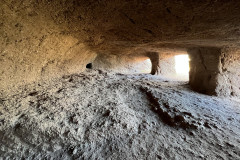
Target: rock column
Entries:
(154, 57)
(163, 64)
(215, 71)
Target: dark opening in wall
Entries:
(89, 66)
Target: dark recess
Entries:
(89, 66)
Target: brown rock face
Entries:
(204, 69)
(40, 40)
(215, 71)
(229, 77)
(50, 110)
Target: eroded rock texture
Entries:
(105, 115)
(215, 71)
(49, 110)
(229, 77)
(204, 69)
(42, 39)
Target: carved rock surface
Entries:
(215, 71)
(42, 39)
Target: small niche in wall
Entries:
(89, 66)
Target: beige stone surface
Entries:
(229, 77)
(45, 39)
(128, 64)
(52, 107)
(215, 71)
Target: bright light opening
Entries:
(182, 65)
(146, 66)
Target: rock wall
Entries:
(229, 76)
(215, 71)
(123, 64)
(34, 47)
(44, 39)
(167, 65)
(204, 68)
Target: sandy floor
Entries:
(99, 115)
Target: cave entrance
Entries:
(182, 66)
(171, 66)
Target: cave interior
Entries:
(72, 60)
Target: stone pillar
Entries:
(229, 77)
(204, 69)
(162, 64)
(215, 71)
(154, 57)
